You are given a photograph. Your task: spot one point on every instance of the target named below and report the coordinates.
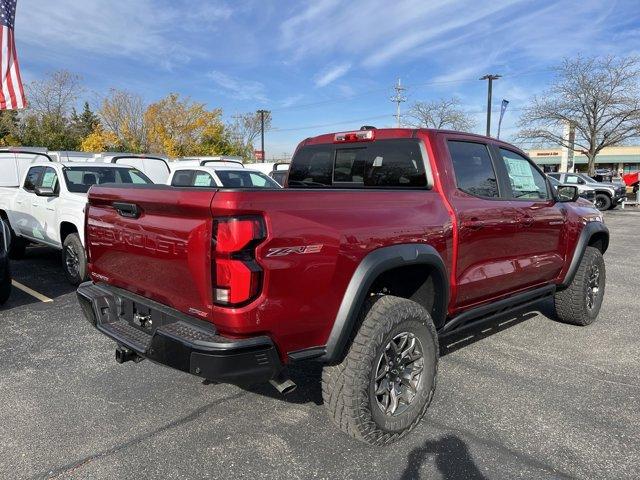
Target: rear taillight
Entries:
(237, 277)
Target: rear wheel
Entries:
(603, 202)
(384, 385)
(74, 260)
(580, 302)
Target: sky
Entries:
(320, 66)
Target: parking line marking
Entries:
(30, 291)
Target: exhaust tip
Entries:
(284, 385)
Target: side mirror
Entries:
(45, 192)
(567, 193)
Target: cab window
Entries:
(182, 178)
(50, 179)
(525, 180)
(573, 180)
(32, 178)
(394, 163)
(473, 168)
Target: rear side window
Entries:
(381, 164)
(526, 181)
(473, 168)
(182, 178)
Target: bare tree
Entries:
(442, 113)
(123, 113)
(246, 128)
(599, 96)
(54, 96)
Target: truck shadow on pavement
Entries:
(452, 459)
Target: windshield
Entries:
(245, 179)
(80, 179)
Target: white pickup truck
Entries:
(46, 206)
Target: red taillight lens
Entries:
(237, 276)
(234, 234)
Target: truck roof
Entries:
(392, 133)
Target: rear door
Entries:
(540, 243)
(26, 203)
(488, 225)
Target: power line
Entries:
(364, 93)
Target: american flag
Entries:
(12, 92)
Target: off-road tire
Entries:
(17, 245)
(603, 202)
(348, 387)
(78, 274)
(571, 303)
(5, 286)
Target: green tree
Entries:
(85, 123)
(9, 128)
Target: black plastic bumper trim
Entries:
(179, 341)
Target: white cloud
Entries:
(239, 89)
(140, 29)
(331, 74)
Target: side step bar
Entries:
(489, 312)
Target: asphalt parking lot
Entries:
(526, 397)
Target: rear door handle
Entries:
(130, 210)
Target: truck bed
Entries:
(165, 253)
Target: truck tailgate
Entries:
(154, 241)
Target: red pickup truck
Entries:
(382, 241)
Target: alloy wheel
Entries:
(398, 373)
(72, 261)
(593, 286)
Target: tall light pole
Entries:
(490, 78)
(398, 98)
(262, 113)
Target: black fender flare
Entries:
(374, 264)
(588, 232)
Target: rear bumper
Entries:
(177, 340)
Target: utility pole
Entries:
(398, 98)
(262, 114)
(490, 78)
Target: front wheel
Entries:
(74, 260)
(603, 202)
(580, 302)
(385, 384)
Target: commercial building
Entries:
(619, 159)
